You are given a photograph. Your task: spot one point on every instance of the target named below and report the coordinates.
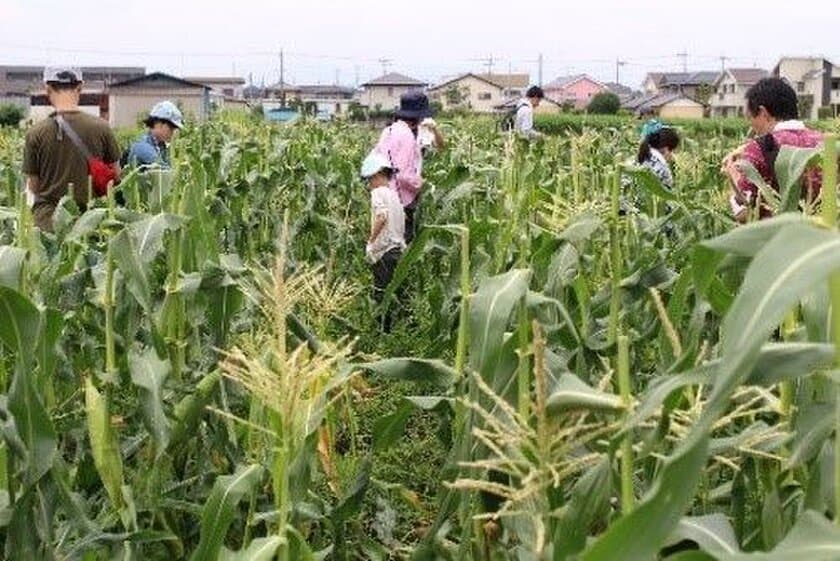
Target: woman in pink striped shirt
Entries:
(398, 142)
(773, 110)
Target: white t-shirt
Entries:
(385, 202)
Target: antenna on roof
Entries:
(385, 62)
(684, 56)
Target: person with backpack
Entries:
(164, 120)
(523, 117)
(70, 148)
(398, 143)
(773, 112)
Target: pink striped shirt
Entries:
(788, 133)
(398, 143)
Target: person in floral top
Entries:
(773, 112)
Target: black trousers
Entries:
(410, 222)
(383, 272)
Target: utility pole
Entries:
(618, 64)
(684, 56)
(357, 71)
(282, 79)
(723, 59)
(490, 63)
(540, 70)
(337, 76)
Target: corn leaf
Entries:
(220, 510)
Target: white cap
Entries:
(373, 164)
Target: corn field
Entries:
(198, 373)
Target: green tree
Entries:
(604, 103)
(10, 115)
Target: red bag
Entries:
(102, 176)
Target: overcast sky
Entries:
(325, 40)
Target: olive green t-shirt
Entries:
(50, 155)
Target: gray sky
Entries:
(325, 39)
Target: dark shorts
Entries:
(383, 272)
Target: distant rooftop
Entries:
(227, 80)
(395, 79)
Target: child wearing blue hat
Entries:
(656, 151)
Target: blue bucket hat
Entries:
(414, 105)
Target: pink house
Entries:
(577, 90)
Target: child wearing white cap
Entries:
(386, 241)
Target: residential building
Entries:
(696, 85)
(668, 105)
(469, 91)
(27, 78)
(324, 101)
(227, 86)
(576, 90)
(383, 93)
(816, 81)
(93, 101)
(130, 100)
(730, 90)
(513, 85)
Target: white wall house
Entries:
(730, 90)
(383, 93)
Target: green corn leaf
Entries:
(571, 394)
(149, 233)
(713, 533)
(11, 266)
(148, 372)
(590, 498)
(104, 444)
(748, 240)
(127, 259)
(813, 538)
(490, 312)
(413, 370)
(220, 510)
(261, 549)
(791, 164)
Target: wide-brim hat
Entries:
(414, 105)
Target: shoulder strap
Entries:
(74, 137)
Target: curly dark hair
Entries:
(776, 96)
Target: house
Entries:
(93, 101)
(383, 93)
(816, 81)
(513, 85)
(130, 100)
(468, 91)
(227, 86)
(574, 90)
(668, 105)
(27, 78)
(730, 90)
(546, 107)
(696, 85)
(328, 100)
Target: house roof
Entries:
(688, 78)
(228, 80)
(157, 77)
(748, 75)
(451, 81)
(507, 80)
(619, 89)
(394, 79)
(655, 101)
(325, 90)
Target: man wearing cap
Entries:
(153, 147)
(398, 143)
(52, 160)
